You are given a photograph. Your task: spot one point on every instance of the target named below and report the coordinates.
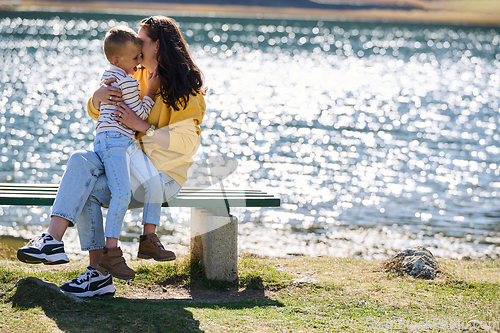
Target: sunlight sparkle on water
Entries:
(353, 125)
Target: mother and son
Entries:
(148, 115)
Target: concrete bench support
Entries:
(214, 235)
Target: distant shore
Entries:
(414, 15)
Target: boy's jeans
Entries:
(84, 191)
(111, 147)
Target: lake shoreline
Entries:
(371, 244)
(383, 15)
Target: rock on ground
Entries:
(51, 286)
(417, 262)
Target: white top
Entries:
(131, 94)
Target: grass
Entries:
(351, 295)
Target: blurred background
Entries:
(375, 122)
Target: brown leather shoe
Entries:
(151, 247)
(112, 260)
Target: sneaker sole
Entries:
(56, 259)
(108, 290)
(148, 256)
(118, 276)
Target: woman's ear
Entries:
(157, 46)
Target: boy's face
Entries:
(131, 57)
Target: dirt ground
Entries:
(180, 293)
(173, 291)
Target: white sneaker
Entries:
(43, 249)
(90, 283)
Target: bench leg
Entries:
(214, 242)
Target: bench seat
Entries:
(214, 231)
(15, 194)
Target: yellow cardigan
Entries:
(184, 127)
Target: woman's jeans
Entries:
(84, 190)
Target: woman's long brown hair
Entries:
(179, 75)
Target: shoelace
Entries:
(36, 242)
(83, 277)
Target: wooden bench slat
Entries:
(183, 196)
(48, 200)
(223, 202)
(28, 201)
(29, 185)
(193, 194)
(24, 192)
(55, 187)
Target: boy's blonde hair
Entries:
(117, 38)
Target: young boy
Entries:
(116, 147)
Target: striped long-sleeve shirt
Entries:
(131, 94)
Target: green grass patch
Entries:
(350, 295)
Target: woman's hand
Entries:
(129, 118)
(153, 85)
(106, 93)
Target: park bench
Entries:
(214, 231)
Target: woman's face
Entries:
(149, 50)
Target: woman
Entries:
(169, 137)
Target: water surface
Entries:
(376, 136)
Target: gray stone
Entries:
(417, 262)
(52, 286)
(306, 280)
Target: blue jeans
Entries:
(84, 191)
(146, 184)
(111, 147)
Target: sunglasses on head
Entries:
(150, 19)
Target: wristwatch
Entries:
(150, 131)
